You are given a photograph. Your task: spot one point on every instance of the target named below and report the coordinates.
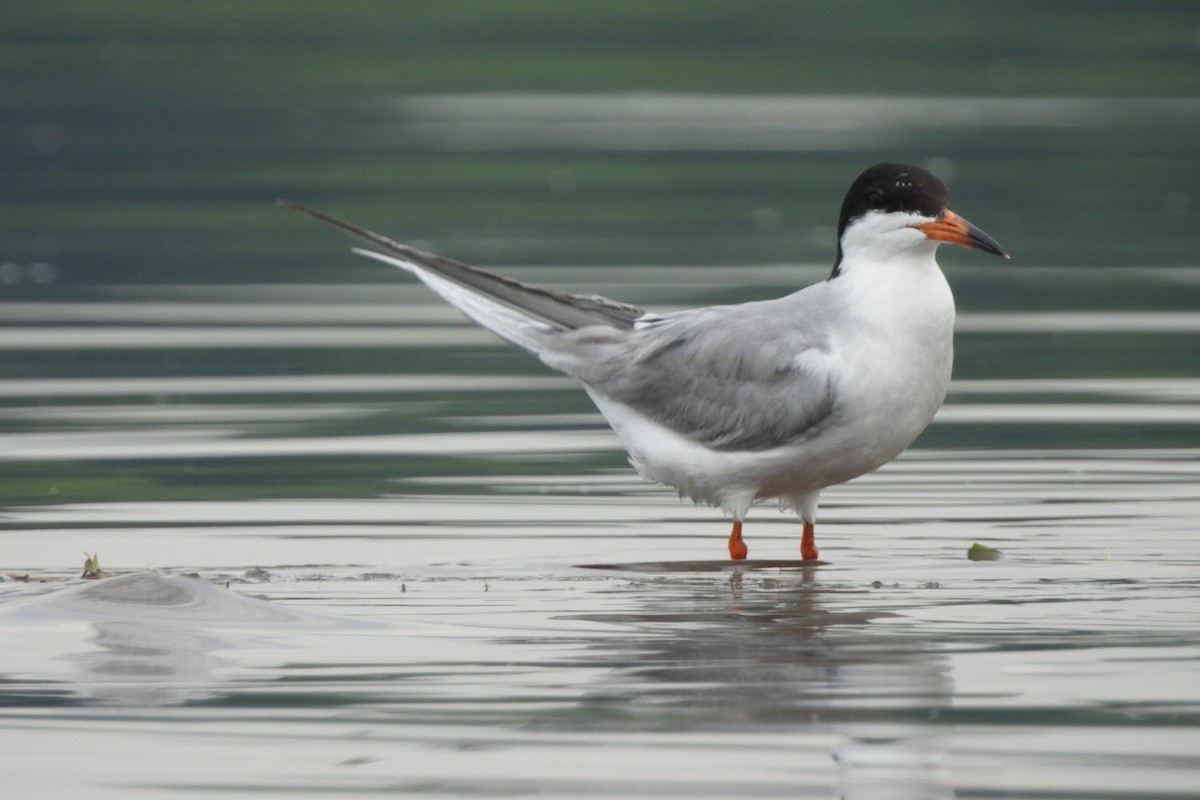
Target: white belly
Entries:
(868, 430)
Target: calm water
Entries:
(359, 548)
(447, 583)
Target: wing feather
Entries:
(556, 309)
(744, 379)
(747, 377)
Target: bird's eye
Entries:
(875, 201)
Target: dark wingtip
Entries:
(291, 205)
(349, 228)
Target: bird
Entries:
(772, 399)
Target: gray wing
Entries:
(748, 377)
(732, 378)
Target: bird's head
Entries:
(891, 209)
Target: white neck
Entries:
(890, 241)
(892, 280)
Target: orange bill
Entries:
(956, 230)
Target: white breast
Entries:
(895, 345)
(890, 328)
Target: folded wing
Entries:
(747, 377)
(731, 378)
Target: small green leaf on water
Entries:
(981, 552)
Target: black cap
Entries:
(894, 187)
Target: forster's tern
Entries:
(771, 399)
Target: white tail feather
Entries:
(500, 318)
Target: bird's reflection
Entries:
(781, 647)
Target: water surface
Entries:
(443, 583)
(359, 548)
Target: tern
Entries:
(775, 399)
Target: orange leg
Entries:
(737, 548)
(808, 543)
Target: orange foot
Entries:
(808, 543)
(737, 548)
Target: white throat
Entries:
(891, 282)
(886, 241)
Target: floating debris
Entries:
(981, 552)
(31, 578)
(91, 567)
